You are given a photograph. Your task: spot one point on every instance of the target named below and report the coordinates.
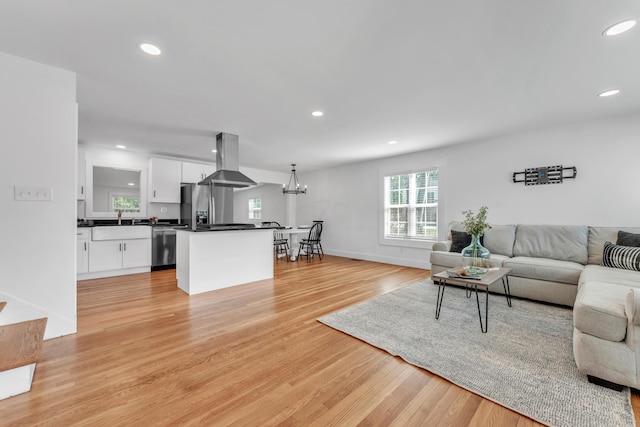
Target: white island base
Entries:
(210, 260)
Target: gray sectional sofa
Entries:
(563, 264)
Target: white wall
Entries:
(273, 203)
(605, 152)
(39, 148)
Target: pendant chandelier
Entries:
(294, 184)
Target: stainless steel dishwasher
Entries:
(163, 246)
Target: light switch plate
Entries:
(32, 194)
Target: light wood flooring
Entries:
(146, 354)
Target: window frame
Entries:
(114, 195)
(409, 242)
(253, 210)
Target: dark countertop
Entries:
(125, 222)
(225, 227)
(171, 222)
(228, 227)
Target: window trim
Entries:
(114, 194)
(253, 209)
(402, 241)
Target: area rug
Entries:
(524, 362)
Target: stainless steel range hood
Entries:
(227, 164)
(225, 179)
(228, 178)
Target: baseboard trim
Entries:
(111, 273)
(382, 259)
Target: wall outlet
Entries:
(163, 210)
(40, 194)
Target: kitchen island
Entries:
(210, 260)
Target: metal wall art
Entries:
(545, 175)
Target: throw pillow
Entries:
(460, 240)
(628, 239)
(617, 256)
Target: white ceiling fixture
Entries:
(619, 28)
(609, 93)
(392, 142)
(122, 147)
(150, 49)
(317, 113)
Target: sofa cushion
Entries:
(460, 240)
(499, 239)
(628, 239)
(599, 235)
(545, 269)
(599, 310)
(454, 259)
(565, 242)
(625, 257)
(617, 276)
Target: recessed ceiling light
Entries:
(214, 151)
(619, 28)
(150, 49)
(392, 142)
(131, 184)
(609, 93)
(121, 146)
(317, 113)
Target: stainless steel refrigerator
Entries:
(196, 205)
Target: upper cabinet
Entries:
(82, 176)
(164, 180)
(196, 172)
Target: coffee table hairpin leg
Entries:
(507, 291)
(441, 286)
(486, 308)
(507, 294)
(468, 290)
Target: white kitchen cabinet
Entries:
(136, 253)
(82, 251)
(105, 255)
(164, 180)
(196, 172)
(117, 250)
(82, 176)
(118, 254)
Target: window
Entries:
(411, 206)
(255, 208)
(125, 203)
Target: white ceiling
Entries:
(423, 72)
